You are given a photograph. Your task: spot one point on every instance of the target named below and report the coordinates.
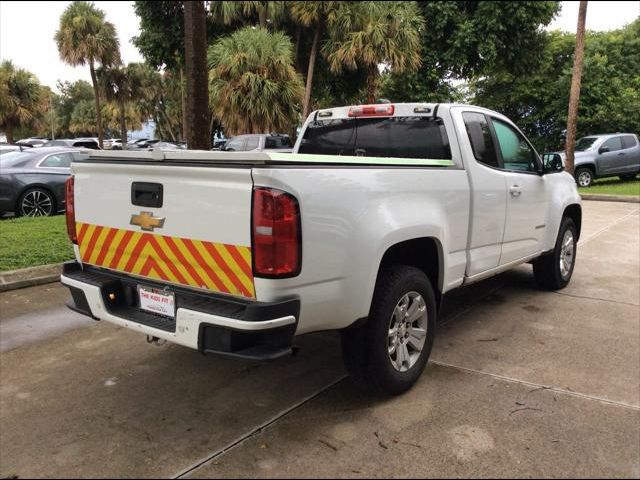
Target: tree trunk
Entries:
(96, 93)
(574, 97)
(8, 131)
(123, 125)
(296, 57)
(372, 81)
(183, 100)
(262, 16)
(312, 65)
(195, 46)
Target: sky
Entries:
(27, 30)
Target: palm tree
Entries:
(195, 54)
(254, 86)
(20, 98)
(122, 86)
(574, 95)
(372, 34)
(229, 12)
(321, 16)
(85, 37)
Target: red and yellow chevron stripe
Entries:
(215, 266)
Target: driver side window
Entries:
(517, 155)
(613, 144)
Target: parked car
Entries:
(272, 142)
(108, 143)
(32, 181)
(33, 142)
(606, 155)
(234, 254)
(89, 143)
(6, 148)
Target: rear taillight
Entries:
(385, 110)
(276, 234)
(70, 212)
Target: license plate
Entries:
(157, 301)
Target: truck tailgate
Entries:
(198, 237)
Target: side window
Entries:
(252, 143)
(613, 144)
(516, 153)
(480, 138)
(629, 141)
(270, 142)
(59, 160)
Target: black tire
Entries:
(547, 269)
(36, 202)
(365, 349)
(629, 177)
(584, 177)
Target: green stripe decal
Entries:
(347, 159)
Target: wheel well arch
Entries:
(574, 212)
(424, 253)
(590, 166)
(33, 186)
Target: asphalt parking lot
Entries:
(521, 382)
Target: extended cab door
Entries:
(488, 191)
(611, 159)
(526, 193)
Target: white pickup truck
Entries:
(379, 212)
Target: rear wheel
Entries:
(389, 353)
(553, 271)
(584, 177)
(36, 202)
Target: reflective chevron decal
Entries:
(215, 266)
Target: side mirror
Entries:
(552, 163)
(604, 150)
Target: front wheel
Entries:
(389, 353)
(553, 271)
(584, 177)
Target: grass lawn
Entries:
(613, 186)
(27, 242)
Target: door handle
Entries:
(621, 154)
(515, 191)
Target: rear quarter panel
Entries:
(350, 217)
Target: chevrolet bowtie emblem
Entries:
(146, 221)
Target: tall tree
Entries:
(377, 33)
(265, 12)
(122, 86)
(20, 98)
(467, 40)
(319, 16)
(576, 78)
(195, 48)
(254, 86)
(85, 37)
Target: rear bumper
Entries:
(210, 323)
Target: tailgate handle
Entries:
(144, 194)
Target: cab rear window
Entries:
(401, 137)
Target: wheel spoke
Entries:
(403, 356)
(417, 309)
(416, 339)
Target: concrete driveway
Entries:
(522, 382)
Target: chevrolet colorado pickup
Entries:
(379, 212)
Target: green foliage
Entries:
(161, 39)
(538, 101)
(254, 87)
(20, 98)
(613, 186)
(71, 94)
(28, 242)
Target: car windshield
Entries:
(585, 143)
(15, 159)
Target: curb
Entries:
(29, 277)
(610, 198)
